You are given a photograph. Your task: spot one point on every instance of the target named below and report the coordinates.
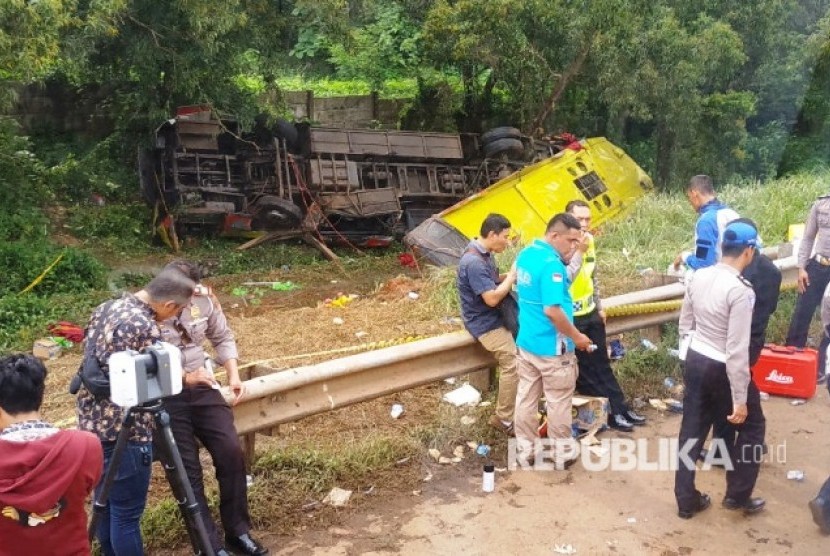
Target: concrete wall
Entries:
(345, 112)
(62, 110)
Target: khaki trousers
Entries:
(556, 378)
(500, 343)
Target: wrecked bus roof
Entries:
(599, 173)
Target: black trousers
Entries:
(201, 413)
(805, 308)
(708, 399)
(596, 378)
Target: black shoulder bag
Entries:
(90, 373)
(509, 307)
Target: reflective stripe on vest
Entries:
(582, 288)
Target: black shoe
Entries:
(703, 502)
(751, 506)
(620, 423)
(635, 418)
(222, 552)
(244, 544)
(817, 507)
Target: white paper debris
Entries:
(463, 395)
(337, 497)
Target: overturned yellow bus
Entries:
(595, 170)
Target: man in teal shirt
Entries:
(547, 338)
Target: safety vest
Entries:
(582, 287)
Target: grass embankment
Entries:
(296, 469)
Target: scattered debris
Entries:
(428, 478)
(458, 451)
(403, 461)
(369, 490)
(454, 321)
(472, 445)
(467, 420)
(764, 396)
(648, 344)
(464, 395)
(416, 493)
(795, 475)
(483, 450)
(337, 497)
(457, 460)
(485, 403)
(361, 334)
(413, 295)
(340, 301)
(397, 411)
(46, 348)
(450, 380)
(564, 549)
(310, 506)
(444, 460)
(632, 520)
(798, 402)
(658, 404)
(337, 320)
(434, 454)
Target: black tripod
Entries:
(173, 468)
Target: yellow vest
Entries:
(582, 287)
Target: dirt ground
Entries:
(529, 513)
(597, 512)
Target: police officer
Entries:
(714, 216)
(813, 277)
(596, 378)
(820, 505)
(715, 327)
(200, 412)
(765, 279)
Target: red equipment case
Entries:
(786, 371)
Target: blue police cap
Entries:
(740, 234)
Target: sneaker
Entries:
(506, 428)
(620, 423)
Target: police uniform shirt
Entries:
(717, 311)
(202, 319)
(816, 232)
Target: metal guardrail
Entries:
(279, 397)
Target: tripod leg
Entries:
(99, 506)
(180, 484)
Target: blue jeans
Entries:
(119, 531)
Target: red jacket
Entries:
(45, 478)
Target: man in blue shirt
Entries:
(481, 289)
(714, 216)
(547, 338)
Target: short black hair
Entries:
(22, 383)
(702, 184)
(734, 250)
(493, 223)
(565, 219)
(576, 203)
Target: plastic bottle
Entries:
(488, 478)
(648, 344)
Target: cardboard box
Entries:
(46, 349)
(589, 414)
